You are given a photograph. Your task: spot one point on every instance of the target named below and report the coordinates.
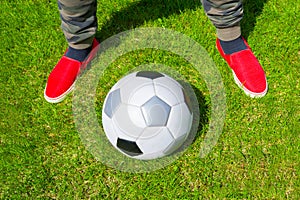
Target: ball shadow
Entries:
(200, 112)
(203, 110)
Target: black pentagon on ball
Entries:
(149, 74)
(129, 147)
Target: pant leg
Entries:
(226, 16)
(78, 21)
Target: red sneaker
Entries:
(248, 73)
(62, 79)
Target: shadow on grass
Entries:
(252, 9)
(203, 110)
(137, 13)
(200, 112)
(140, 12)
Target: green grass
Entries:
(256, 157)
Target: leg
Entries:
(226, 16)
(79, 24)
(248, 73)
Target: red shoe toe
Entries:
(61, 80)
(248, 73)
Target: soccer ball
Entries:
(147, 115)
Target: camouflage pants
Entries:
(226, 16)
(79, 21)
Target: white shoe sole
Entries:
(59, 98)
(248, 92)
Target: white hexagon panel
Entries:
(169, 90)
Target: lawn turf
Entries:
(257, 155)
